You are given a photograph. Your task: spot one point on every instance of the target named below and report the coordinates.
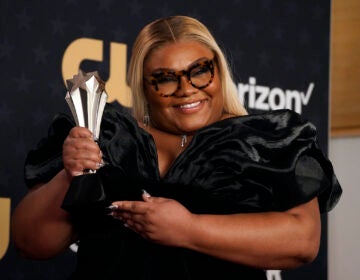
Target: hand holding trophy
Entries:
(86, 98)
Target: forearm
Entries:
(274, 240)
(40, 228)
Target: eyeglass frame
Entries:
(178, 74)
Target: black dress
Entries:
(255, 163)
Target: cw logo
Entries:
(4, 225)
(91, 49)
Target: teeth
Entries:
(191, 105)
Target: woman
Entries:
(197, 187)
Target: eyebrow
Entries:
(189, 66)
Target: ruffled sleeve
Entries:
(254, 163)
(264, 162)
(45, 160)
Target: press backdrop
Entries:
(279, 51)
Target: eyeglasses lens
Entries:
(199, 76)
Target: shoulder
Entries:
(272, 122)
(277, 119)
(116, 108)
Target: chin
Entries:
(193, 127)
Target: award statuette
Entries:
(86, 98)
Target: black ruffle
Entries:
(255, 163)
(259, 162)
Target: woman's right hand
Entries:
(81, 152)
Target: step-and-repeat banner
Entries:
(279, 51)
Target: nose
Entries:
(184, 87)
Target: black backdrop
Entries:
(279, 51)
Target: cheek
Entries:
(217, 98)
(158, 104)
(215, 85)
(155, 101)
(215, 90)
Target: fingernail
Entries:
(99, 164)
(146, 193)
(112, 207)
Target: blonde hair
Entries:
(172, 29)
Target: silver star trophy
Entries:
(86, 98)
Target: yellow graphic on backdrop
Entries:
(91, 49)
(4, 225)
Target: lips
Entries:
(189, 105)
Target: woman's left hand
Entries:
(161, 220)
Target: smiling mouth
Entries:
(189, 105)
